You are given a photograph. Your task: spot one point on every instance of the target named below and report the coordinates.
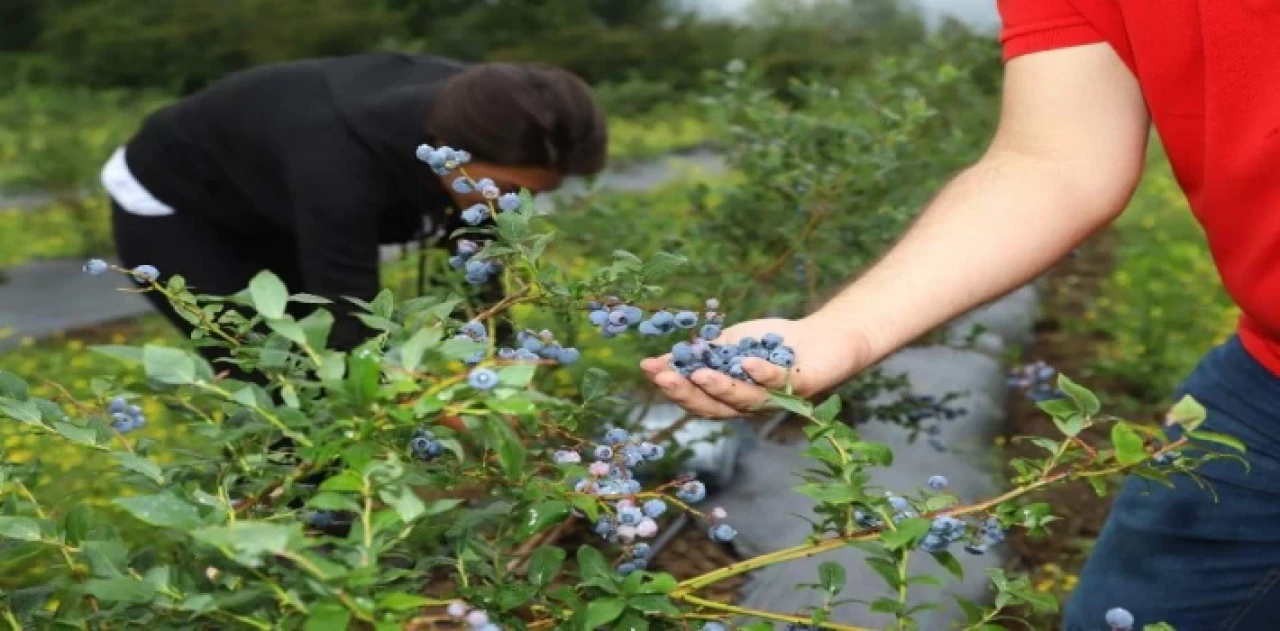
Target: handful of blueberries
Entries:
(688, 357)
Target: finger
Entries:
(652, 366)
(764, 373)
(731, 392)
(683, 393)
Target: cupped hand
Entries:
(823, 359)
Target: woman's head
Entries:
(525, 125)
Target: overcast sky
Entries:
(977, 13)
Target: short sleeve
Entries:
(1032, 26)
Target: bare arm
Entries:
(1064, 162)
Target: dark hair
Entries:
(522, 115)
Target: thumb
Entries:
(764, 373)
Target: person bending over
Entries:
(304, 168)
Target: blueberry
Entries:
(603, 453)
(118, 405)
(713, 304)
(626, 568)
(419, 444)
(526, 355)
(474, 330)
(96, 267)
(651, 451)
(629, 516)
(569, 356)
(655, 508)
(938, 482)
(620, 317)
(723, 532)
(692, 491)
(782, 357)
(146, 273)
(509, 202)
(640, 550)
(462, 186)
(475, 215)
(686, 319)
(1120, 619)
(663, 319)
(466, 247)
(710, 331)
(771, 341)
(615, 436)
(648, 329)
(483, 379)
(713, 626)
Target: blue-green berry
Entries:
(96, 267)
(483, 379)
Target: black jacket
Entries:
(320, 149)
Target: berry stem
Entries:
(767, 615)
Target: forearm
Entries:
(995, 227)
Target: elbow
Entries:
(1094, 187)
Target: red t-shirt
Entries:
(1210, 72)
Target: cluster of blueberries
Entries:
(945, 529)
(424, 445)
(614, 317)
(125, 417)
(612, 475)
(1035, 379)
(475, 271)
(443, 161)
(689, 357)
(533, 346)
(98, 267)
(476, 619)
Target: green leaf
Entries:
(12, 386)
(123, 589)
(403, 601)
(886, 569)
(127, 354)
(75, 434)
(511, 453)
(77, 522)
(541, 516)
(517, 375)
(1221, 439)
(1085, 400)
(140, 464)
(406, 503)
(23, 411)
(652, 604)
(950, 563)
(1060, 408)
(908, 532)
(269, 295)
(163, 510)
(289, 330)
(595, 384)
(831, 576)
(591, 564)
(1070, 426)
(1187, 412)
(545, 564)
(795, 405)
(829, 409)
(1128, 444)
(830, 492)
(248, 539)
(21, 528)
(310, 299)
(659, 584)
(318, 325)
(412, 351)
(460, 348)
(602, 612)
(631, 622)
(168, 365)
(328, 616)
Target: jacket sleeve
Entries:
(335, 208)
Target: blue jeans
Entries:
(1178, 556)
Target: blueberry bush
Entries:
(424, 478)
